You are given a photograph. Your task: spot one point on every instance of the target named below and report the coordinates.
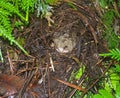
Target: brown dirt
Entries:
(38, 38)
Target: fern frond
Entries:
(114, 54)
(7, 10)
(4, 20)
(6, 34)
(10, 8)
(26, 5)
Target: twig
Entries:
(71, 85)
(11, 63)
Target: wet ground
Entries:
(47, 73)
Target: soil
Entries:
(45, 66)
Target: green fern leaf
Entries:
(4, 33)
(10, 8)
(103, 94)
(114, 54)
(6, 10)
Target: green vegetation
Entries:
(12, 9)
(7, 10)
(15, 13)
(110, 20)
(114, 54)
(111, 81)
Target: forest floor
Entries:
(46, 73)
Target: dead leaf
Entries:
(9, 84)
